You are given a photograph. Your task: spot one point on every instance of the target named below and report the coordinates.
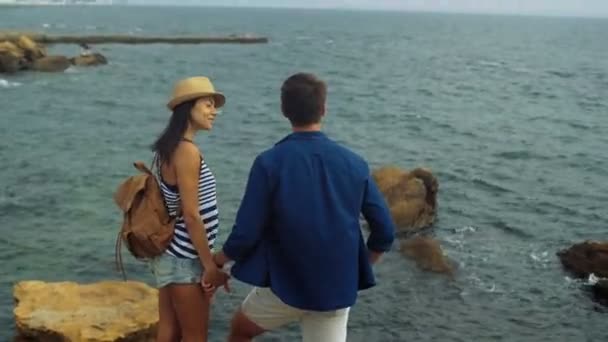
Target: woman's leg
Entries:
(192, 307)
(168, 326)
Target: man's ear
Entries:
(323, 109)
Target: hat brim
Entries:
(219, 98)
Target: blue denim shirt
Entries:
(297, 230)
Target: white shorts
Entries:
(266, 310)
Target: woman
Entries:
(188, 187)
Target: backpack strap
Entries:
(141, 166)
(156, 165)
(118, 257)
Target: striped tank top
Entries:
(181, 245)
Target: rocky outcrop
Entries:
(600, 290)
(11, 57)
(31, 50)
(410, 195)
(586, 258)
(51, 64)
(70, 312)
(89, 60)
(23, 53)
(412, 199)
(427, 254)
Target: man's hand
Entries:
(374, 257)
(213, 277)
(220, 259)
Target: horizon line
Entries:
(398, 10)
(333, 8)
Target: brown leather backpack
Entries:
(147, 228)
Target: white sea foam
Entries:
(465, 229)
(8, 84)
(593, 279)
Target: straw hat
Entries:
(193, 88)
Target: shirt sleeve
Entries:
(378, 216)
(252, 215)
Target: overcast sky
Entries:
(548, 7)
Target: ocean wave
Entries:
(465, 229)
(8, 84)
(490, 186)
(509, 229)
(519, 155)
(561, 74)
(491, 64)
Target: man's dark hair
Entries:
(303, 99)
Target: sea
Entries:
(510, 113)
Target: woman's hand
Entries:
(213, 278)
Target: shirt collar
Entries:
(304, 136)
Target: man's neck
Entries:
(308, 128)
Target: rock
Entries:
(51, 64)
(407, 214)
(600, 290)
(411, 196)
(9, 64)
(387, 177)
(31, 50)
(11, 49)
(71, 312)
(10, 57)
(430, 183)
(89, 60)
(585, 258)
(427, 254)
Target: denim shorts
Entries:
(168, 269)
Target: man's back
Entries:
(314, 233)
(314, 252)
(297, 237)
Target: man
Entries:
(297, 236)
(85, 50)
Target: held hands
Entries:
(374, 257)
(213, 278)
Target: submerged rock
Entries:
(600, 291)
(89, 60)
(51, 64)
(410, 195)
(587, 258)
(71, 312)
(427, 254)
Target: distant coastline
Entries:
(14, 3)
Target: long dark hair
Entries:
(167, 142)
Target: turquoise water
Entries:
(510, 112)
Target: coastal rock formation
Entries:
(586, 258)
(600, 291)
(31, 50)
(410, 195)
(23, 53)
(10, 57)
(70, 312)
(89, 60)
(51, 64)
(427, 254)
